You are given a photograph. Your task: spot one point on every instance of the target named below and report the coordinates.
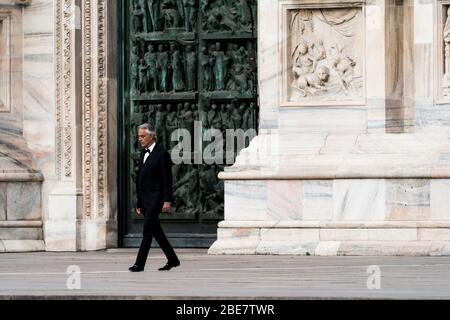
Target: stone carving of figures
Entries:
(221, 18)
(145, 113)
(240, 80)
(134, 52)
(446, 36)
(187, 119)
(206, 63)
(163, 68)
(160, 125)
(143, 10)
(318, 51)
(134, 57)
(203, 117)
(245, 13)
(137, 117)
(194, 109)
(191, 68)
(153, 7)
(230, 109)
(212, 22)
(209, 198)
(138, 25)
(171, 125)
(237, 119)
(203, 6)
(134, 74)
(304, 63)
(313, 83)
(241, 57)
(180, 110)
(252, 116)
(246, 115)
(214, 119)
(344, 67)
(224, 114)
(220, 67)
(151, 58)
(180, 9)
(151, 114)
(177, 70)
(189, 14)
(186, 193)
(143, 76)
(170, 13)
(302, 28)
(232, 52)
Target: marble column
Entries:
(82, 209)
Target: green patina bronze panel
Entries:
(187, 62)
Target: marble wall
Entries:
(330, 217)
(355, 177)
(21, 173)
(58, 141)
(39, 87)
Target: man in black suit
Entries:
(154, 194)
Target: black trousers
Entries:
(152, 228)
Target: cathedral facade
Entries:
(349, 99)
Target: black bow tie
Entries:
(148, 151)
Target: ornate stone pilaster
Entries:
(82, 122)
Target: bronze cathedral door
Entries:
(188, 64)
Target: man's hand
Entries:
(166, 207)
(138, 211)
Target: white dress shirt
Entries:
(149, 148)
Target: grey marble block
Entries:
(22, 245)
(20, 233)
(408, 199)
(24, 201)
(2, 201)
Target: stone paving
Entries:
(104, 275)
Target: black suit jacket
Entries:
(154, 180)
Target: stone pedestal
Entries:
(353, 153)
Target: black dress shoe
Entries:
(169, 265)
(135, 268)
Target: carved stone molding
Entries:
(94, 107)
(102, 105)
(92, 99)
(442, 44)
(15, 2)
(323, 49)
(87, 103)
(58, 85)
(22, 2)
(5, 62)
(67, 85)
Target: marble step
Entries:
(21, 230)
(13, 246)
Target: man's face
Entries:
(323, 75)
(145, 138)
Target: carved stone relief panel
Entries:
(323, 55)
(5, 62)
(443, 51)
